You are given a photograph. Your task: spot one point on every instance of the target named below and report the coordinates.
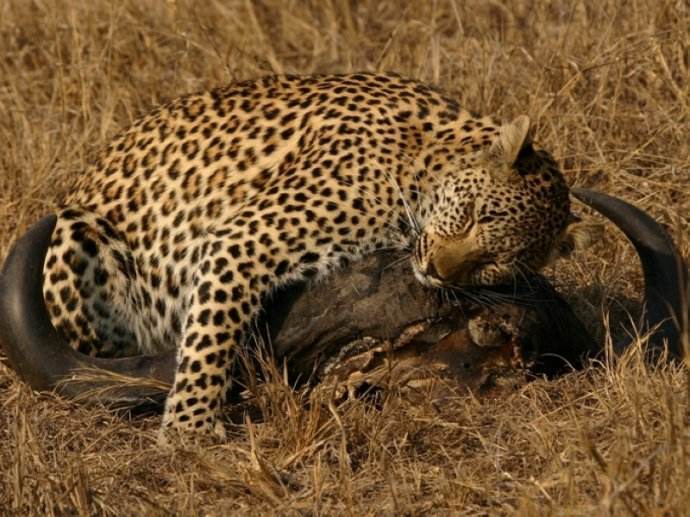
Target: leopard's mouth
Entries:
(425, 279)
(469, 273)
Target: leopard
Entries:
(186, 222)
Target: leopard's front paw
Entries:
(171, 432)
(178, 423)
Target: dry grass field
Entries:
(607, 84)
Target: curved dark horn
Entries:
(43, 358)
(665, 272)
(39, 354)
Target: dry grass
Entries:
(607, 84)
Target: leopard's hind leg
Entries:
(88, 278)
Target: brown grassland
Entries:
(607, 85)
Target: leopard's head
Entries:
(503, 212)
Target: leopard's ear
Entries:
(512, 138)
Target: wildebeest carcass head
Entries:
(377, 299)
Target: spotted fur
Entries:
(204, 206)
